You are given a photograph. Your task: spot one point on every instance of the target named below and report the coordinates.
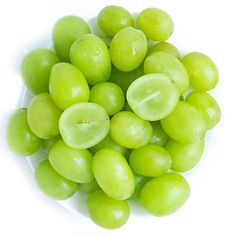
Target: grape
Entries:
(73, 164)
(112, 19)
(90, 54)
(53, 184)
(125, 79)
(184, 156)
(89, 187)
(113, 174)
(155, 23)
(67, 85)
(43, 116)
(107, 142)
(108, 95)
(84, 125)
(48, 143)
(36, 68)
(162, 62)
(107, 212)
(128, 49)
(150, 160)
(20, 138)
(185, 124)
(159, 136)
(165, 194)
(152, 96)
(202, 71)
(139, 182)
(65, 32)
(165, 47)
(130, 131)
(207, 106)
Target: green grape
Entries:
(130, 131)
(128, 49)
(165, 194)
(155, 23)
(152, 97)
(159, 136)
(89, 187)
(150, 160)
(43, 116)
(125, 79)
(36, 68)
(184, 156)
(165, 47)
(53, 184)
(49, 143)
(112, 19)
(90, 54)
(67, 85)
(108, 95)
(202, 71)
(107, 142)
(73, 164)
(84, 125)
(185, 124)
(65, 32)
(113, 174)
(107, 212)
(20, 138)
(162, 62)
(207, 106)
(139, 182)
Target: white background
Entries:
(203, 25)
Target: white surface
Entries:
(207, 26)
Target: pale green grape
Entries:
(53, 184)
(73, 164)
(20, 138)
(130, 131)
(90, 54)
(89, 187)
(139, 182)
(202, 71)
(165, 47)
(67, 85)
(107, 142)
(150, 160)
(65, 31)
(48, 143)
(36, 67)
(155, 23)
(125, 79)
(128, 49)
(185, 124)
(159, 136)
(113, 174)
(165, 194)
(162, 62)
(112, 19)
(43, 116)
(107, 212)
(184, 156)
(108, 95)
(153, 96)
(84, 125)
(207, 106)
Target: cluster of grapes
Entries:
(114, 116)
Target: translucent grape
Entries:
(159, 136)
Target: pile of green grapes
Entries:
(118, 117)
